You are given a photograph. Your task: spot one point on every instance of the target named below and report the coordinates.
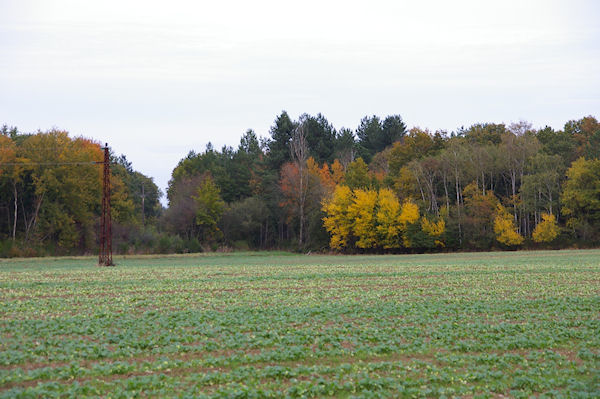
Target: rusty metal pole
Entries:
(105, 253)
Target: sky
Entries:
(156, 79)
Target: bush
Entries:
(18, 249)
(5, 247)
(241, 245)
(193, 245)
(164, 245)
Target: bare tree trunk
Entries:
(458, 215)
(264, 243)
(433, 197)
(8, 222)
(523, 213)
(513, 183)
(420, 188)
(483, 181)
(14, 232)
(33, 220)
(456, 186)
(299, 150)
(446, 191)
(301, 212)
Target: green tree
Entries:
(10, 176)
(141, 190)
(237, 173)
(558, 143)
(209, 208)
(180, 216)
(66, 189)
(540, 188)
(320, 137)
(580, 197)
(9, 131)
(246, 222)
(245, 169)
(368, 132)
(345, 146)
(484, 133)
(480, 211)
(393, 129)
(278, 147)
(516, 150)
(357, 175)
(374, 135)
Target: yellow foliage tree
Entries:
(547, 230)
(312, 166)
(337, 172)
(338, 221)
(388, 221)
(405, 183)
(434, 229)
(65, 198)
(504, 227)
(409, 214)
(363, 212)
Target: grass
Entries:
(511, 324)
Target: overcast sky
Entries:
(156, 79)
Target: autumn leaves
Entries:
(376, 219)
(368, 218)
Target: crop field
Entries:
(252, 325)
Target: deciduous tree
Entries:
(357, 175)
(339, 220)
(547, 230)
(409, 216)
(209, 208)
(389, 225)
(505, 229)
(363, 211)
(581, 196)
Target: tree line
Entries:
(50, 196)
(308, 186)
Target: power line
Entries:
(105, 253)
(50, 163)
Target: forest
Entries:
(307, 186)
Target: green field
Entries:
(510, 324)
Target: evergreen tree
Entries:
(278, 147)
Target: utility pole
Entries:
(105, 254)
